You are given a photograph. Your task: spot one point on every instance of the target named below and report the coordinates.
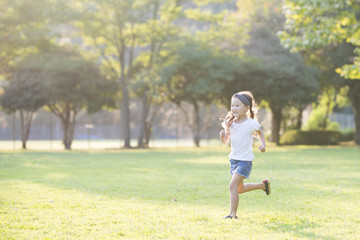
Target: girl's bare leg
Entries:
(236, 181)
(247, 187)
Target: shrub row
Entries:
(347, 135)
(313, 137)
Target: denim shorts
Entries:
(241, 167)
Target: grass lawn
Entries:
(178, 193)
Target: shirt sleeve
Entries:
(256, 126)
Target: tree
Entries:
(147, 87)
(285, 79)
(314, 24)
(118, 43)
(244, 75)
(25, 27)
(328, 59)
(25, 94)
(158, 32)
(69, 84)
(196, 74)
(215, 24)
(272, 73)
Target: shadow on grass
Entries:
(149, 175)
(190, 176)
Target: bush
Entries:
(347, 135)
(314, 137)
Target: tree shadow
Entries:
(150, 175)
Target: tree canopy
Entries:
(65, 82)
(313, 24)
(196, 74)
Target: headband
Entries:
(243, 99)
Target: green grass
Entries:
(178, 194)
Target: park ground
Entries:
(178, 193)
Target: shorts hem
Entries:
(240, 175)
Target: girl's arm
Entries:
(261, 137)
(225, 136)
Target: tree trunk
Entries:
(68, 124)
(356, 107)
(142, 122)
(149, 123)
(299, 119)
(354, 95)
(22, 120)
(145, 125)
(355, 99)
(144, 113)
(195, 124)
(125, 95)
(197, 130)
(26, 119)
(126, 118)
(68, 129)
(148, 133)
(275, 125)
(326, 117)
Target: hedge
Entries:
(313, 137)
(347, 135)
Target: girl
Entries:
(239, 127)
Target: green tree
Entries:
(25, 93)
(148, 88)
(314, 24)
(196, 74)
(328, 59)
(26, 26)
(118, 30)
(206, 21)
(285, 79)
(69, 83)
(222, 24)
(245, 72)
(15, 17)
(159, 31)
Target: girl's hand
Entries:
(226, 126)
(262, 148)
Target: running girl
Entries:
(239, 128)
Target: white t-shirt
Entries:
(241, 139)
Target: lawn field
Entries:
(178, 193)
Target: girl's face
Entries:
(238, 108)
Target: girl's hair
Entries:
(252, 113)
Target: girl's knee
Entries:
(233, 187)
(236, 181)
(240, 189)
(230, 187)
